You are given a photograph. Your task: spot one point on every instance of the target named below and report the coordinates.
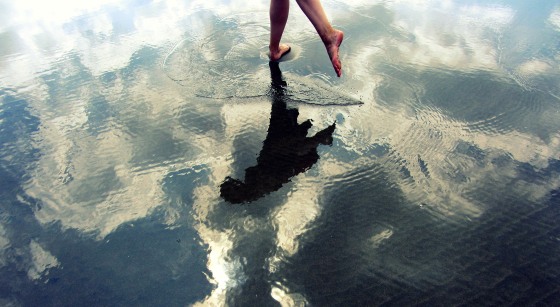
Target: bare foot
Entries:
(277, 53)
(332, 43)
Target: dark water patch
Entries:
(142, 263)
(439, 209)
(100, 113)
(341, 258)
(157, 146)
(179, 186)
(501, 257)
(515, 239)
(142, 59)
(17, 126)
(18, 226)
(108, 77)
(471, 150)
(423, 166)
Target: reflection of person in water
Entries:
(286, 152)
(313, 9)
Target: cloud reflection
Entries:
(449, 122)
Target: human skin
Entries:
(331, 37)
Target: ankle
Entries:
(328, 36)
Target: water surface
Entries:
(427, 174)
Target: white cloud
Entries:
(4, 244)
(42, 261)
(534, 67)
(467, 27)
(439, 33)
(71, 176)
(554, 18)
(56, 12)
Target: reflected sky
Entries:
(120, 120)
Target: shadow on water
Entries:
(286, 152)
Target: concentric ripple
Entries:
(230, 62)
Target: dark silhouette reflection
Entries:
(286, 152)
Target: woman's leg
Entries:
(331, 37)
(279, 10)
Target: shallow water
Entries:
(428, 174)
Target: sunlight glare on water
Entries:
(151, 155)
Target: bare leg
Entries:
(279, 10)
(331, 37)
